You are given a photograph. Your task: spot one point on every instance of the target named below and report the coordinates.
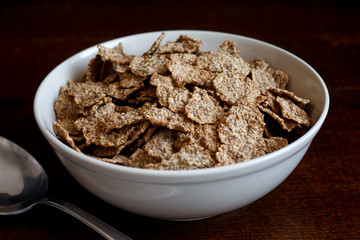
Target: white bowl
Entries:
(186, 194)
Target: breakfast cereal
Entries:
(178, 108)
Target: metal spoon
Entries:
(23, 184)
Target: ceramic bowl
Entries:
(185, 194)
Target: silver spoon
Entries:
(23, 184)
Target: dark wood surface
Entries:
(319, 200)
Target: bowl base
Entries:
(185, 219)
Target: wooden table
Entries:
(319, 200)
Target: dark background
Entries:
(319, 200)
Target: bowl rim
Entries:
(245, 167)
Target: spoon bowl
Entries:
(24, 183)
(23, 180)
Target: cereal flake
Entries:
(183, 44)
(203, 108)
(149, 64)
(232, 87)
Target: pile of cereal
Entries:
(177, 108)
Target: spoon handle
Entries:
(102, 228)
